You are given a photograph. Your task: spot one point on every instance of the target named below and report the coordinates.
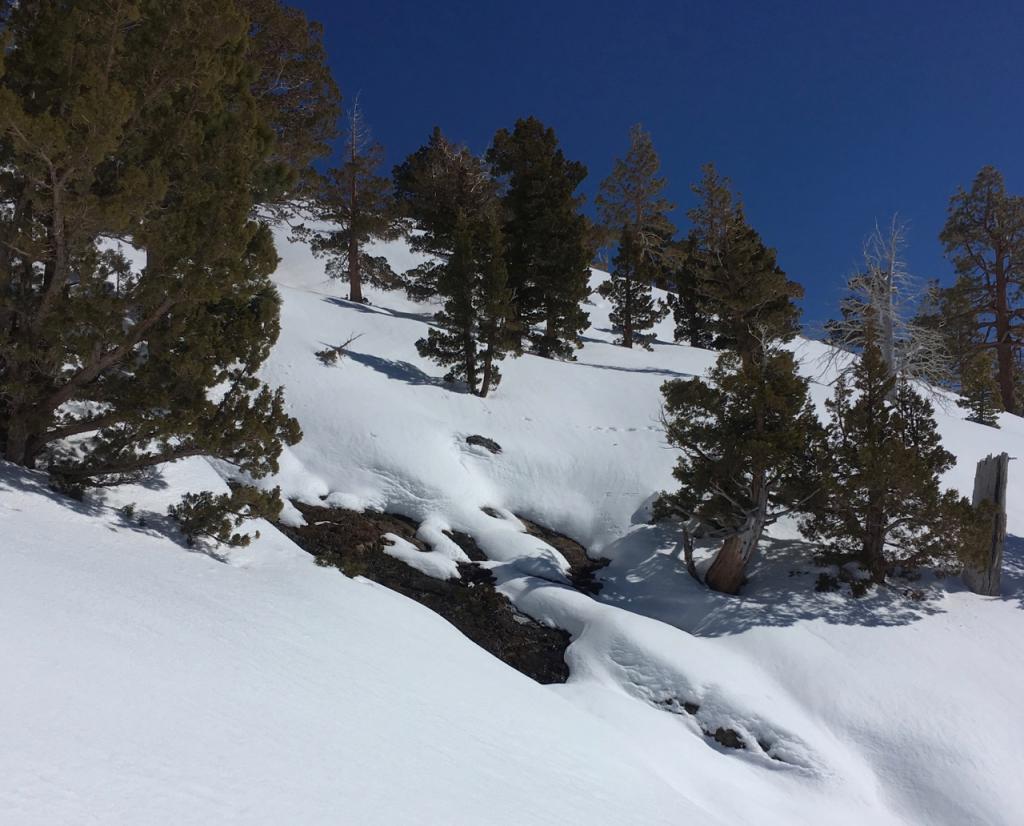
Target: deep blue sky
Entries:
(826, 115)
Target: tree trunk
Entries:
(627, 316)
(873, 551)
(485, 382)
(728, 570)
(355, 277)
(990, 486)
(1004, 346)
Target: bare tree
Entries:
(885, 298)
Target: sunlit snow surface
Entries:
(144, 683)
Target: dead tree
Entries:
(990, 487)
(886, 297)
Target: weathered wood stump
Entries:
(990, 486)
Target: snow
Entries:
(150, 684)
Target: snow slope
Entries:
(144, 684)
(147, 684)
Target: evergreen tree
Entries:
(356, 202)
(633, 210)
(545, 234)
(979, 392)
(747, 436)
(436, 187)
(634, 308)
(880, 502)
(473, 330)
(298, 100)
(984, 235)
(693, 324)
(137, 121)
(739, 284)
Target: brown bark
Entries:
(1004, 344)
(728, 569)
(355, 278)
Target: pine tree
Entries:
(979, 392)
(634, 308)
(747, 436)
(984, 236)
(546, 236)
(138, 121)
(693, 324)
(297, 98)
(880, 502)
(438, 185)
(356, 202)
(473, 330)
(633, 210)
(739, 284)
(747, 433)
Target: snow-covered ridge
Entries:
(151, 684)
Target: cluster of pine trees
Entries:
(509, 248)
(174, 133)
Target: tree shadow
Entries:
(1013, 570)
(648, 576)
(402, 371)
(14, 479)
(657, 371)
(425, 317)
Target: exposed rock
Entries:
(484, 442)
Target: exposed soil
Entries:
(353, 542)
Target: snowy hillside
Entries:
(148, 684)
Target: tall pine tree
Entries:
(633, 210)
(545, 234)
(453, 200)
(747, 432)
(356, 202)
(984, 236)
(473, 331)
(738, 281)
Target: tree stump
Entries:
(990, 486)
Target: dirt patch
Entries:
(353, 542)
(584, 568)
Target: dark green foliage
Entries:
(473, 331)
(546, 237)
(634, 213)
(634, 308)
(209, 516)
(748, 437)
(879, 501)
(296, 95)
(984, 236)
(137, 121)
(979, 391)
(434, 186)
(357, 203)
(693, 324)
(739, 285)
(452, 199)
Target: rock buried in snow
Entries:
(484, 442)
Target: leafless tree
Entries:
(883, 304)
